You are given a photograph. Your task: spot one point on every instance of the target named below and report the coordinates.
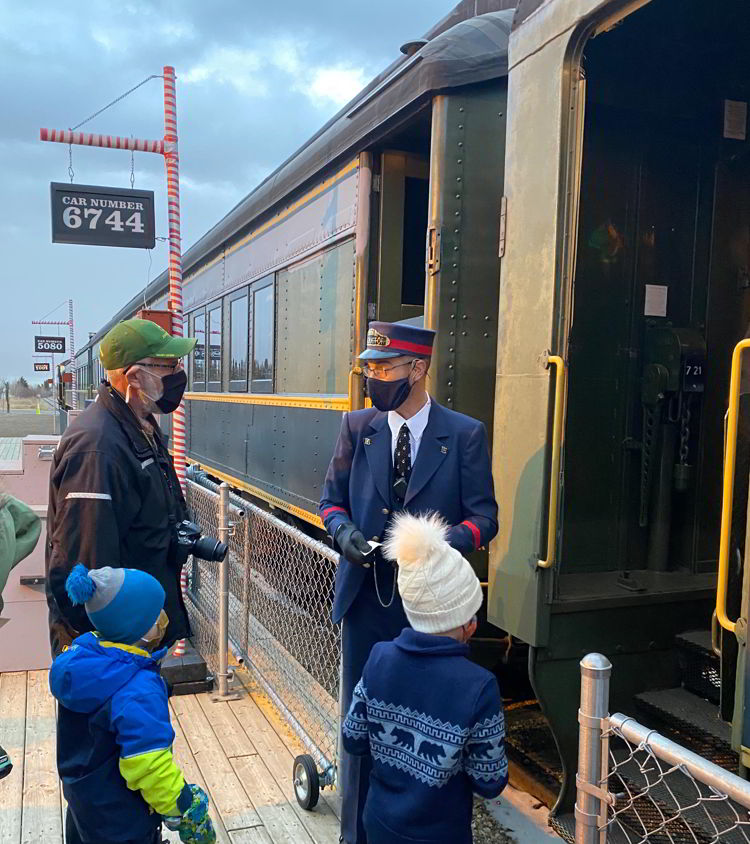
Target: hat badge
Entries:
(375, 338)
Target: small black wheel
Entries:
(306, 781)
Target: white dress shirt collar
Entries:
(416, 425)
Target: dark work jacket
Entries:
(452, 476)
(113, 501)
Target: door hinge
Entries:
(376, 182)
(503, 221)
(433, 250)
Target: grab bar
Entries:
(557, 435)
(727, 498)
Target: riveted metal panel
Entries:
(315, 323)
(466, 188)
(283, 451)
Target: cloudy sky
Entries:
(255, 80)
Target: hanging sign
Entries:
(55, 345)
(41, 367)
(98, 216)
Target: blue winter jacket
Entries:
(433, 723)
(114, 740)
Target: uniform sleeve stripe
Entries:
(99, 496)
(327, 512)
(474, 530)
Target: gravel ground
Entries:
(487, 830)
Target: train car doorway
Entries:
(661, 296)
(404, 195)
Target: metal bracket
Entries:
(46, 452)
(595, 791)
(600, 724)
(503, 225)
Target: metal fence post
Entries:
(595, 673)
(224, 592)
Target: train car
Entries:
(626, 266)
(279, 292)
(562, 190)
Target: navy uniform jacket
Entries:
(451, 476)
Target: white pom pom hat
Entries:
(437, 585)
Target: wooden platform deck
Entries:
(239, 751)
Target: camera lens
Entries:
(208, 548)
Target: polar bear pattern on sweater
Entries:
(428, 749)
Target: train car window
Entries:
(263, 322)
(214, 344)
(238, 330)
(199, 353)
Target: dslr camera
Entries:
(190, 540)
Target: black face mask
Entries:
(388, 395)
(173, 386)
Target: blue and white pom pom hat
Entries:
(122, 604)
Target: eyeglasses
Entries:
(160, 366)
(379, 370)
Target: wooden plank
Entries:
(278, 816)
(184, 758)
(321, 824)
(256, 835)
(294, 746)
(233, 739)
(41, 788)
(12, 737)
(234, 805)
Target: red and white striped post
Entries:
(168, 148)
(172, 161)
(74, 383)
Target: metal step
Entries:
(700, 668)
(690, 721)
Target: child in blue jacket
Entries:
(431, 719)
(114, 736)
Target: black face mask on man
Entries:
(388, 395)
(168, 394)
(173, 387)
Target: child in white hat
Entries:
(430, 718)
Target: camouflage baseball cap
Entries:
(135, 339)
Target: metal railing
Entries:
(277, 585)
(634, 785)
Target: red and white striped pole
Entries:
(168, 148)
(74, 383)
(172, 160)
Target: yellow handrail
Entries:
(727, 499)
(354, 371)
(554, 479)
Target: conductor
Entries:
(407, 452)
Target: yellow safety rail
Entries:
(557, 437)
(727, 500)
(353, 373)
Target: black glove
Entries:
(354, 547)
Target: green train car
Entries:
(562, 190)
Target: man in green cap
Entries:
(114, 496)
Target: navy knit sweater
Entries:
(433, 723)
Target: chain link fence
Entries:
(280, 596)
(636, 786)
